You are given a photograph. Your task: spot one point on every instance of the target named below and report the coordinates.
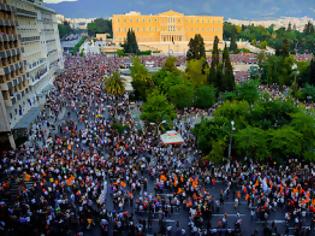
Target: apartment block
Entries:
(31, 56)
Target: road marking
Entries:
(271, 221)
(166, 221)
(229, 215)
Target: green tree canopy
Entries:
(64, 29)
(181, 95)
(131, 45)
(100, 25)
(196, 48)
(157, 108)
(248, 91)
(114, 85)
(233, 44)
(228, 81)
(195, 71)
(285, 142)
(205, 96)
(141, 79)
(252, 142)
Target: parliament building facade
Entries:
(167, 32)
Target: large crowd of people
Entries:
(80, 173)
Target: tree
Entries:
(141, 79)
(233, 44)
(114, 85)
(209, 131)
(100, 25)
(238, 111)
(284, 49)
(216, 154)
(170, 65)
(285, 142)
(305, 124)
(194, 72)
(64, 29)
(311, 79)
(278, 69)
(131, 45)
(248, 91)
(215, 64)
(289, 27)
(181, 95)
(157, 108)
(228, 81)
(196, 48)
(252, 142)
(309, 28)
(205, 96)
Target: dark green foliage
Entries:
(100, 25)
(196, 48)
(64, 29)
(131, 45)
(181, 95)
(228, 81)
(252, 142)
(311, 74)
(214, 75)
(205, 96)
(309, 28)
(157, 108)
(248, 91)
(76, 48)
(233, 45)
(295, 40)
(141, 79)
(283, 49)
(278, 69)
(197, 71)
(266, 129)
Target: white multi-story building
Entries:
(41, 58)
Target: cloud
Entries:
(58, 1)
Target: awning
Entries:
(28, 118)
(171, 137)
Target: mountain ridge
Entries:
(241, 9)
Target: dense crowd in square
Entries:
(78, 174)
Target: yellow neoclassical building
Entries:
(167, 32)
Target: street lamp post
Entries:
(230, 143)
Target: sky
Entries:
(240, 9)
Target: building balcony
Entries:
(13, 67)
(38, 77)
(25, 13)
(30, 39)
(5, 7)
(10, 52)
(8, 37)
(8, 103)
(8, 22)
(36, 65)
(6, 86)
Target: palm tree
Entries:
(114, 85)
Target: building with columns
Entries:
(167, 32)
(31, 56)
